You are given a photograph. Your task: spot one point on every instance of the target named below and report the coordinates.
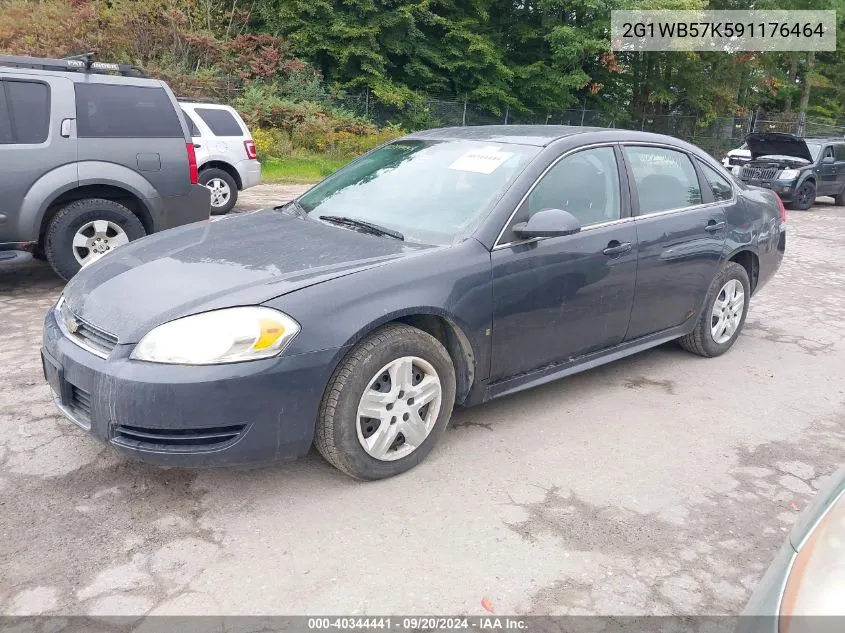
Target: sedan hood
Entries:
(777, 144)
(244, 259)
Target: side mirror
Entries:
(828, 159)
(548, 223)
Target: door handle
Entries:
(614, 247)
(197, 145)
(66, 128)
(713, 226)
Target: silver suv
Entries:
(92, 156)
(225, 152)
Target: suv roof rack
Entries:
(77, 63)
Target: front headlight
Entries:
(789, 174)
(222, 336)
(737, 170)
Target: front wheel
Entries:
(804, 196)
(387, 403)
(724, 313)
(224, 190)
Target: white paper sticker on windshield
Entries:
(481, 161)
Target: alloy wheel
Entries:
(220, 192)
(727, 311)
(94, 239)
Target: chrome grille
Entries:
(758, 173)
(94, 337)
(83, 333)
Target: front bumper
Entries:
(222, 415)
(783, 188)
(250, 173)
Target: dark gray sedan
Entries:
(449, 267)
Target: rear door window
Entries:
(840, 152)
(665, 178)
(116, 111)
(27, 112)
(719, 185)
(221, 122)
(191, 125)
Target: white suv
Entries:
(225, 152)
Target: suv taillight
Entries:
(782, 210)
(249, 146)
(192, 163)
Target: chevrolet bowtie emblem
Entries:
(72, 325)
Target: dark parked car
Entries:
(449, 267)
(797, 169)
(92, 156)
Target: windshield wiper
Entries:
(369, 227)
(298, 211)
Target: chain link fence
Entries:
(715, 135)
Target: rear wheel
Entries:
(839, 199)
(224, 190)
(85, 230)
(804, 196)
(724, 313)
(387, 403)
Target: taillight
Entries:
(249, 146)
(782, 210)
(192, 164)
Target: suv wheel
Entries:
(224, 190)
(839, 199)
(387, 403)
(804, 196)
(85, 230)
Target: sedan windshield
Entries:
(431, 192)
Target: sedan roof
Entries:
(536, 135)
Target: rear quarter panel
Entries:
(755, 225)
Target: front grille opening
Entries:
(80, 400)
(758, 173)
(96, 338)
(175, 439)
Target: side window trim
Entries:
(635, 199)
(625, 211)
(702, 176)
(10, 130)
(13, 131)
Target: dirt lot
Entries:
(660, 484)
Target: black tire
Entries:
(337, 434)
(207, 175)
(804, 196)
(58, 242)
(839, 199)
(700, 341)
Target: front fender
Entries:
(453, 283)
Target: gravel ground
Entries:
(660, 484)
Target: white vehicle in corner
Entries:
(225, 152)
(737, 156)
